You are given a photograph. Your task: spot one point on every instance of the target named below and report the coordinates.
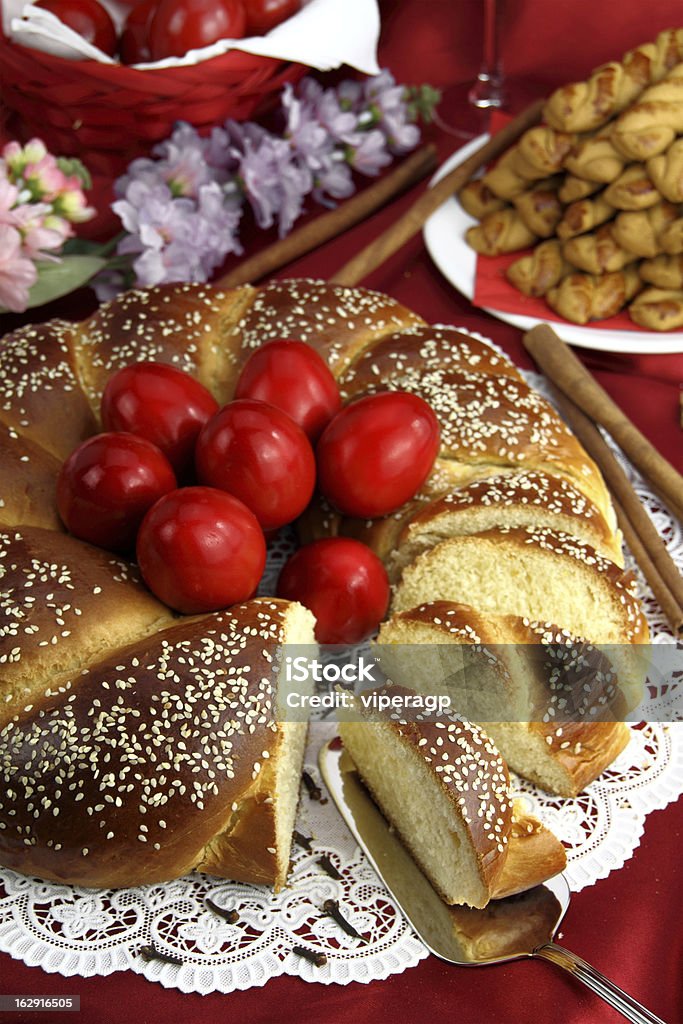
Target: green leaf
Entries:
(57, 279)
(85, 247)
(422, 101)
(71, 165)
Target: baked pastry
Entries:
(597, 252)
(584, 215)
(663, 271)
(502, 231)
(584, 106)
(584, 297)
(596, 159)
(477, 199)
(650, 125)
(540, 208)
(634, 189)
(671, 237)
(666, 172)
(573, 188)
(540, 270)
(658, 309)
(613, 146)
(642, 231)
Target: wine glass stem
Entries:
(488, 89)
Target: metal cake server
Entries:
(510, 929)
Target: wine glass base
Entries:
(486, 93)
(458, 116)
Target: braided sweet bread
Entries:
(613, 147)
(136, 744)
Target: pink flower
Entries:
(71, 202)
(40, 230)
(45, 179)
(17, 157)
(8, 198)
(17, 273)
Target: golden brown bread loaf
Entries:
(541, 574)
(534, 854)
(523, 498)
(86, 649)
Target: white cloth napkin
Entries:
(324, 34)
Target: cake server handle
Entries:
(597, 982)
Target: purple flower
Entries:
(371, 154)
(274, 182)
(220, 154)
(144, 171)
(175, 238)
(387, 101)
(218, 224)
(341, 125)
(181, 209)
(316, 149)
(160, 232)
(183, 165)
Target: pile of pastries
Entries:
(594, 194)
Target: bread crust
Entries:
(127, 772)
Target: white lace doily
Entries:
(194, 948)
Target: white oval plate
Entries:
(444, 235)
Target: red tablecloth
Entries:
(629, 924)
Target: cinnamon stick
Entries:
(563, 368)
(328, 225)
(412, 221)
(639, 531)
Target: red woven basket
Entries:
(107, 114)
